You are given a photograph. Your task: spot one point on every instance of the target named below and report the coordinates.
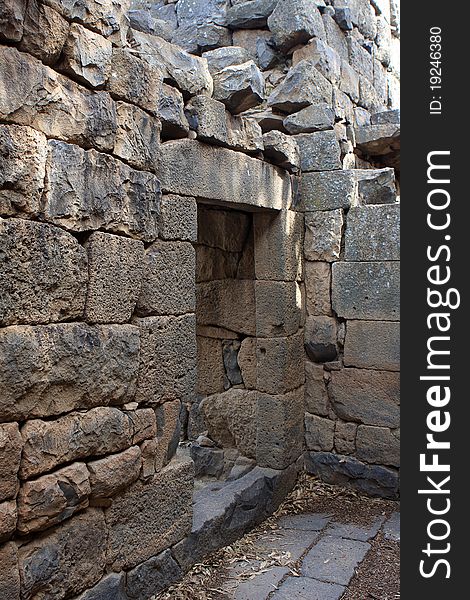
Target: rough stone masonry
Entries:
(199, 245)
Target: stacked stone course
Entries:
(198, 240)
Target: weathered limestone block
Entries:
(44, 32)
(345, 437)
(316, 395)
(294, 22)
(239, 87)
(187, 167)
(282, 150)
(168, 285)
(52, 498)
(148, 518)
(9, 573)
(134, 80)
(86, 56)
(210, 366)
(323, 233)
(280, 426)
(278, 308)
(248, 363)
(43, 274)
(319, 151)
(167, 359)
(99, 431)
(115, 267)
(366, 396)
(321, 338)
(151, 577)
(171, 113)
(189, 72)
(378, 445)
(137, 137)
(318, 288)
(178, 218)
(319, 433)
(231, 420)
(328, 191)
(313, 118)
(35, 95)
(111, 586)
(89, 190)
(279, 245)
(326, 60)
(373, 233)
(113, 474)
(280, 366)
(378, 140)
(11, 445)
(23, 153)
(304, 86)
(67, 560)
(106, 17)
(53, 369)
(376, 186)
(249, 15)
(8, 519)
(367, 290)
(228, 56)
(215, 305)
(214, 125)
(372, 345)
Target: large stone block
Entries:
(8, 519)
(228, 56)
(88, 190)
(11, 445)
(214, 125)
(366, 290)
(318, 288)
(323, 57)
(151, 577)
(86, 56)
(35, 95)
(113, 474)
(376, 186)
(171, 113)
(227, 230)
(168, 284)
(9, 573)
(360, 59)
(210, 366)
(189, 72)
(335, 37)
(115, 268)
(321, 335)
(227, 303)
(231, 420)
(323, 234)
(373, 233)
(111, 586)
(278, 308)
(44, 32)
(43, 273)
(319, 433)
(97, 432)
(243, 15)
(318, 117)
(294, 22)
(52, 498)
(372, 345)
(167, 359)
(278, 245)
(304, 86)
(23, 153)
(187, 167)
(281, 149)
(137, 137)
(378, 445)
(328, 190)
(12, 13)
(65, 561)
(319, 151)
(316, 395)
(201, 25)
(280, 363)
(239, 87)
(349, 83)
(366, 396)
(149, 518)
(168, 432)
(135, 80)
(53, 369)
(280, 425)
(178, 218)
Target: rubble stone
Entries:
(282, 150)
(8, 519)
(228, 56)
(44, 32)
(326, 60)
(294, 22)
(110, 475)
(171, 113)
(137, 137)
(239, 87)
(152, 576)
(9, 573)
(313, 118)
(12, 13)
(250, 15)
(11, 445)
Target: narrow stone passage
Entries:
(324, 543)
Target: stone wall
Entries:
(154, 287)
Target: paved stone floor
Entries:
(325, 553)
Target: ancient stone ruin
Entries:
(199, 283)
